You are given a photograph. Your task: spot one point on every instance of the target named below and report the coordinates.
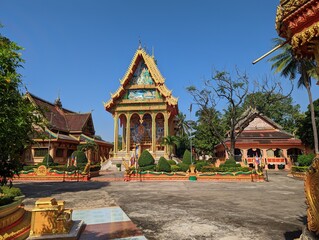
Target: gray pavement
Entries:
(192, 210)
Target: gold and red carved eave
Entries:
(298, 22)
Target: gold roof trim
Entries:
(155, 73)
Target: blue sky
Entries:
(80, 48)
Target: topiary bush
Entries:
(183, 166)
(145, 159)
(305, 160)
(187, 157)
(163, 165)
(230, 163)
(171, 162)
(80, 157)
(48, 160)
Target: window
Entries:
(40, 152)
(59, 152)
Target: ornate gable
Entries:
(142, 83)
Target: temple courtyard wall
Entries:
(192, 210)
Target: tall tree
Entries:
(16, 113)
(289, 66)
(182, 125)
(223, 88)
(305, 131)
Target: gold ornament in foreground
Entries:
(312, 196)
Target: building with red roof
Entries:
(64, 131)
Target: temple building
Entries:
(63, 131)
(143, 110)
(263, 141)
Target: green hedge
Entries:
(299, 169)
(225, 169)
(146, 159)
(175, 168)
(148, 168)
(200, 164)
(183, 166)
(163, 165)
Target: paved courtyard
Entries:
(191, 210)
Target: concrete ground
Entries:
(192, 210)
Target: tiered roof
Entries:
(61, 119)
(155, 74)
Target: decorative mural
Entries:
(141, 132)
(141, 94)
(142, 75)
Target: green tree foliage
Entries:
(170, 142)
(305, 131)
(182, 143)
(233, 91)
(16, 113)
(163, 165)
(183, 126)
(205, 140)
(146, 159)
(305, 160)
(282, 111)
(290, 66)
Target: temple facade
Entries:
(143, 110)
(263, 142)
(63, 131)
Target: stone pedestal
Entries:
(50, 220)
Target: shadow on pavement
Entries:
(291, 235)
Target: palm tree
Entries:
(170, 142)
(182, 125)
(289, 66)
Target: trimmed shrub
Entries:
(163, 165)
(299, 169)
(183, 166)
(200, 164)
(187, 157)
(80, 157)
(230, 163)
(48, 160)
(175, 168)
(148, 168)
(171, 162)
(95, 168)
(8, 194)
(11, 192)
(305, 160)
(145, 159)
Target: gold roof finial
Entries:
(139, 43)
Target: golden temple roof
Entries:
(155, 74)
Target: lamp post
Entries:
(49, 146)
(190, 133)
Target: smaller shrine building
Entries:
(64, 131)
(265, 142)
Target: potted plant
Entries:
(118, 165)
